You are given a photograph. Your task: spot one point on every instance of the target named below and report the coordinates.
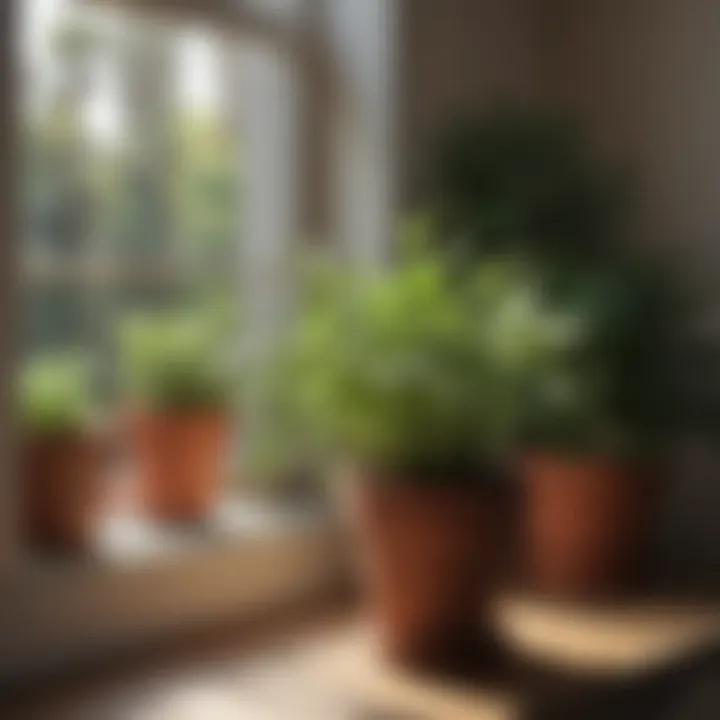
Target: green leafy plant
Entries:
(177, 359)
(598, 361)
(55, 395)
(402, 370)
(606, 383)
(523, 180)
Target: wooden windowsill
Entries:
(146, 580)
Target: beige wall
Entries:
(456, 55)
(645, 74)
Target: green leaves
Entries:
(176, 359)
(513, 180)
(402, 369)
(603, 383)
(55, 395)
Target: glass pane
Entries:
(131, 161)
(131, 205)
(56, 317)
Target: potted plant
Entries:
(180, 392)
(599, 364)
(392, 375)
(61, 455)
(598, 395)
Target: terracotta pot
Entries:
(585, 522)
(61, 491)
(428, 560)
(178, 459)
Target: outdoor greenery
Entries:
(138, 221)
(55, 396)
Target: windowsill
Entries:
(125, 536)
(131, 538)
(146, 580)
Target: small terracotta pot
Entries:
(61, 491)
(428, 561)
(585, 523)
(178, 458)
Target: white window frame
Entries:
(53, 615)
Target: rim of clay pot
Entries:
(483, 477)
(636, 468)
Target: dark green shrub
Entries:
(514, 180)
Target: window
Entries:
(72, 265)
(135, 185)
(131, 172)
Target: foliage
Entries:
(58, 192)
(514, 180)
(206, 190)
(55, 395)
(596, 369)
(157, 200)
(418, 233)
(177, 359)
(607, 384)
(403, 370)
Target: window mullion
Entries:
(363, 42)
(264, 86)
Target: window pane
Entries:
(132, 187)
